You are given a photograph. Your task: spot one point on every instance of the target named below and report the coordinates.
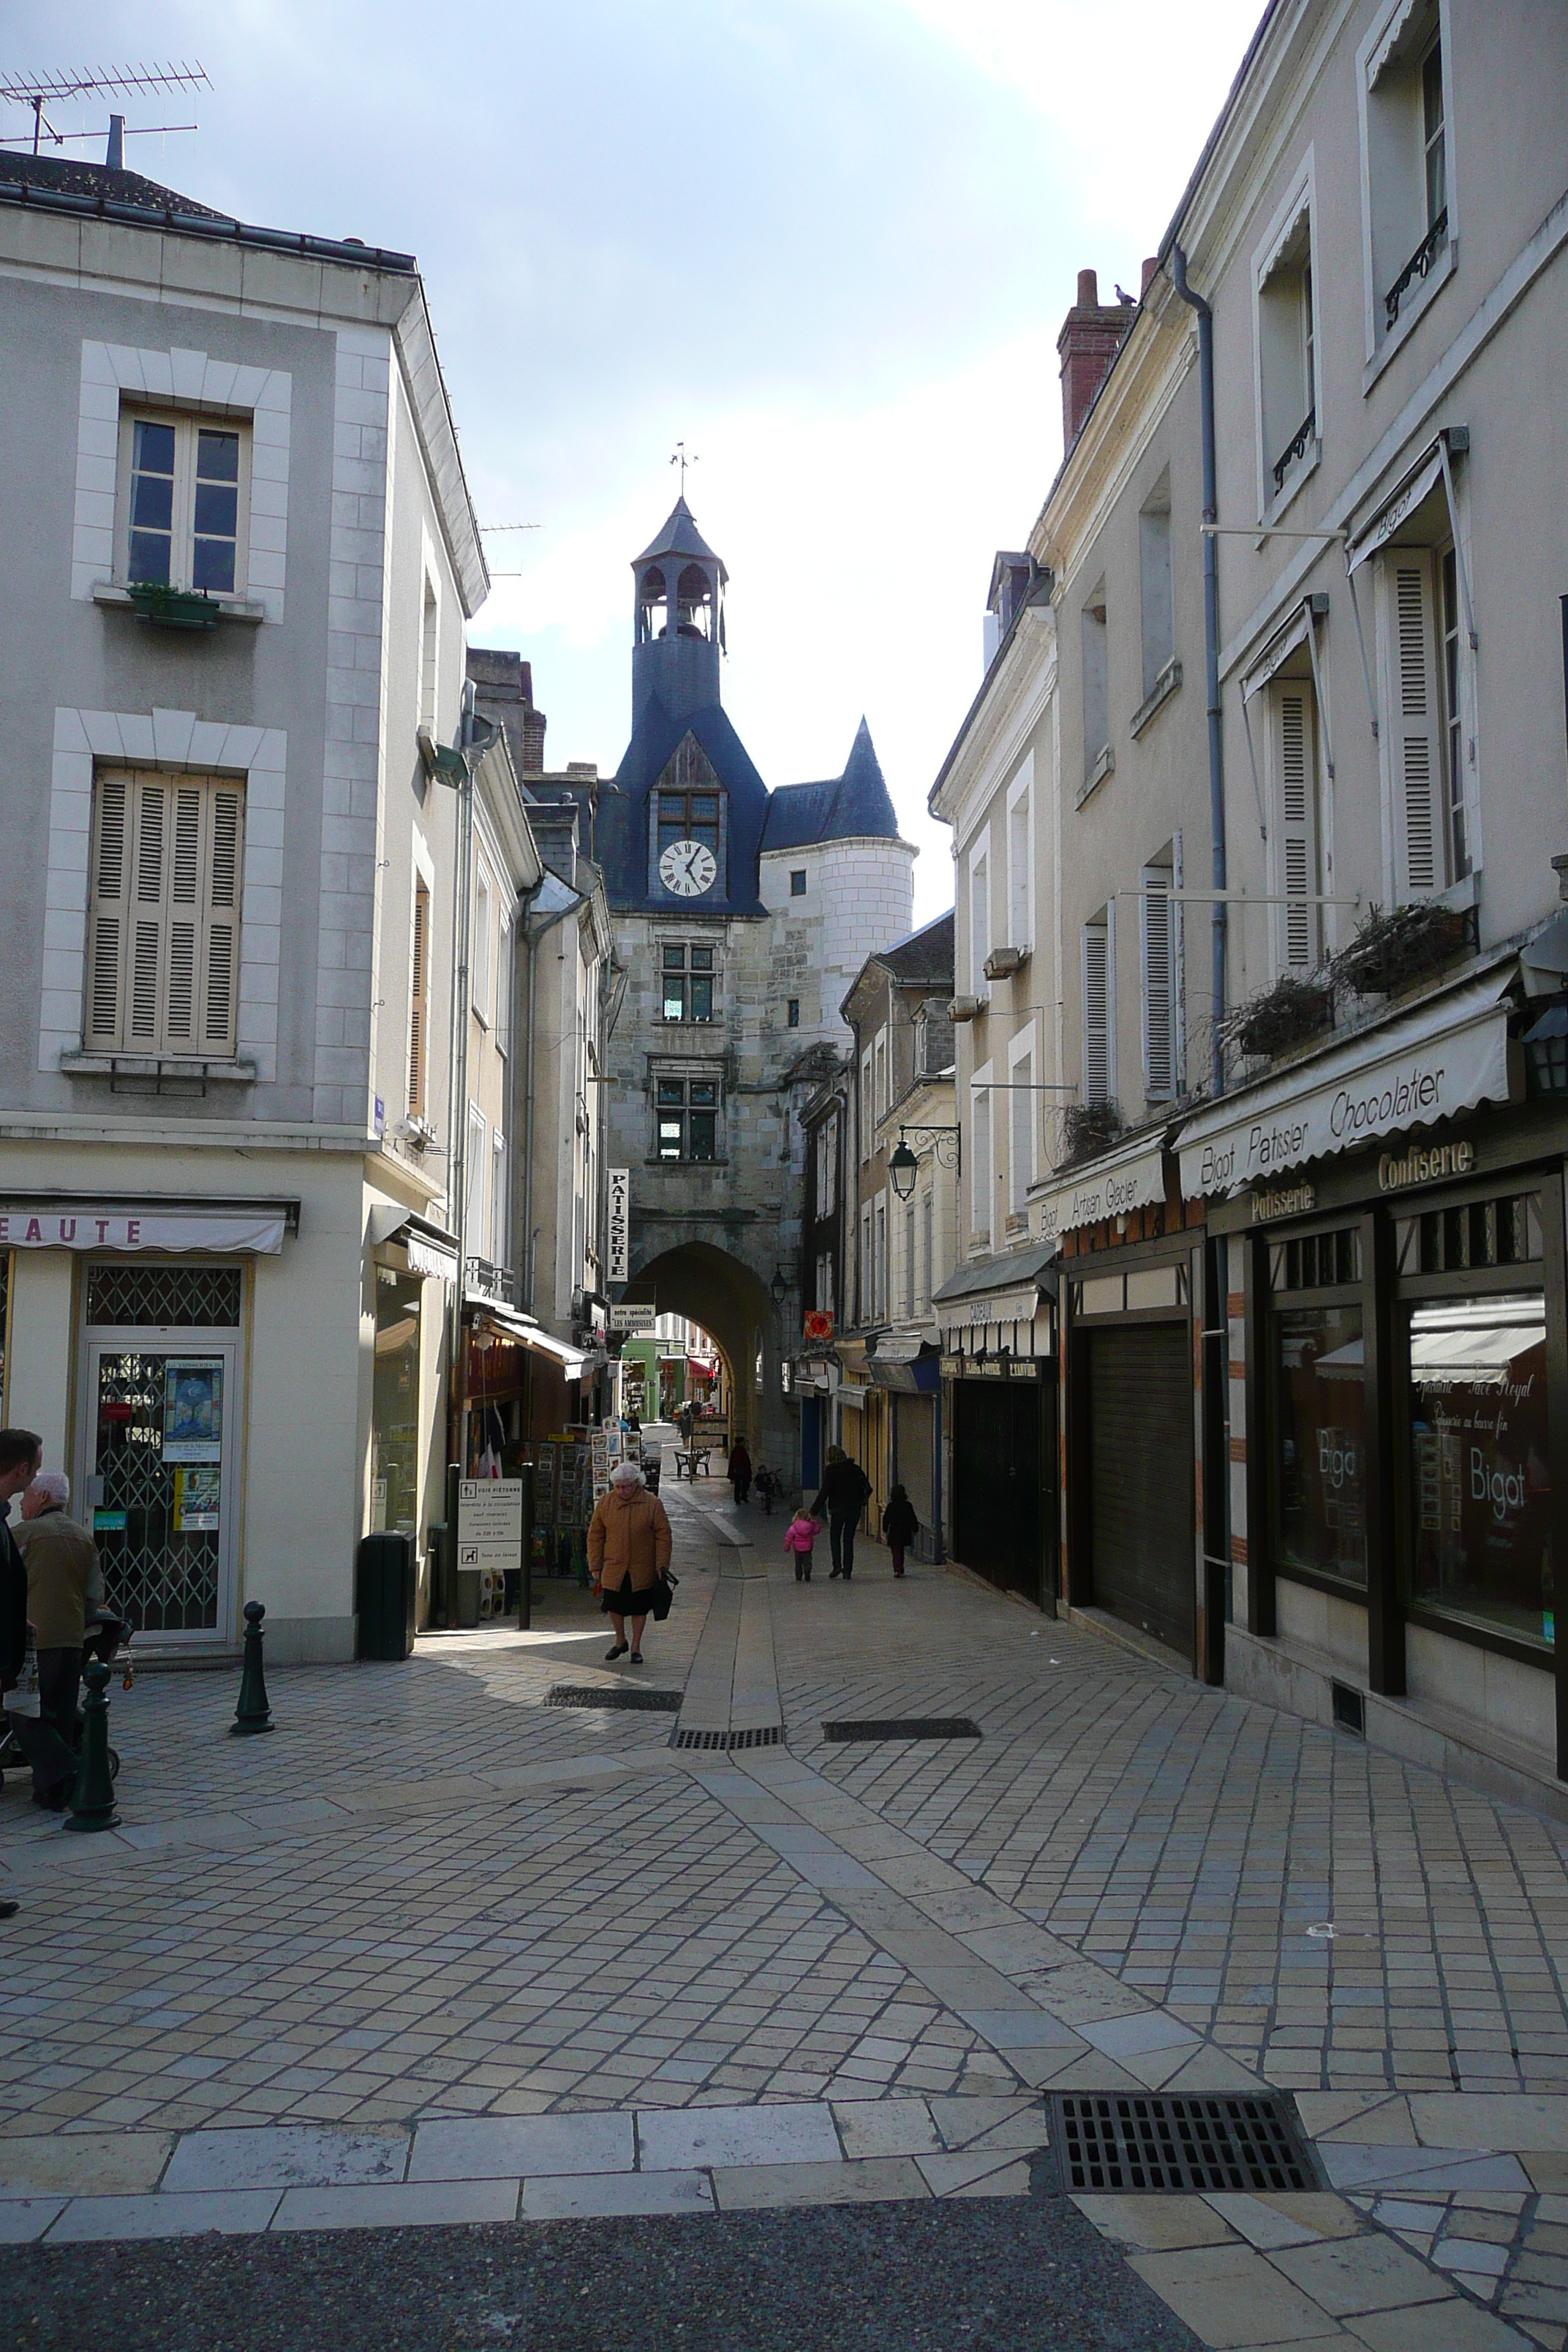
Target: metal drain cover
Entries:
(1111, 2140)
(634, 1697)
(904, 1726)
(769, 1737)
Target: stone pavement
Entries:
(439, 1950)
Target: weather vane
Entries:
(682, 460)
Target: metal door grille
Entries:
(635, 1701)
(163, 1579)
(130, 1291)
(1115, 2142)
(904, 1726)
(769, 1737)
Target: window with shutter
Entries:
(164, 922)
(419, 1001)
(1415, 747)
(1294, 747)
(1156, 920)
(1099, 1077)
(1022, 1102)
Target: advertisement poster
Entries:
(193, 1410)
(195, 1502)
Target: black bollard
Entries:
(92, 1797)
(252, 1714)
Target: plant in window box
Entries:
(1284, 1015)
(1088, 1128)
(172, 608)
(1393, 951)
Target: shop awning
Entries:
(1387, 523)
(1003, 1289)
(1446, 1056)
(430, 1251)
(90, 1222)
(522, 1327)
(1114, 1183)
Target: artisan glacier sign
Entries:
(1112, 1188)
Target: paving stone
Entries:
(531, 2144)
(284, 2156)
(885, 2126)
(84, 2162)
(232, 2213)
(23, 2218)
(1153, 2224)
(1231, 2298)
(1346, 2276)
(737, 2136)
(1457, 2326)
(397, 2205)
(1265, 2222)
(877, 2180)
(605, 2195)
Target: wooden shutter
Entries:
(221, 955)
(108, 909)
(1095, 1011)
(1415, 750)
(1158, 946)
(1295, 752)
(418, 1012)
(148, 909)
(184, 914)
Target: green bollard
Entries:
(252, 1714)
(92, 1797)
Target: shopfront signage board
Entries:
(1114, 1189)
(102, 1228)
(620, 1225)
(632, 1319)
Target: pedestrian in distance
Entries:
(843, 1495)
(628, 1551)
(900, 1526)
(739, 1470)
(61, 1561)
(799, 1536)
(21, 1452)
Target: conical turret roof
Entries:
(681, 537)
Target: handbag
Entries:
(663, 1594)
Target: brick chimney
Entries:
(1090, 340)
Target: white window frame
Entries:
(1299, 207)
(1094, 636)
(187, 424)
(981, 1157)
(1398, 33)
(1021, 856)
(500, 1205)
(1023, 1125)
(429, 676)
(879, 1064)
(868, 1123)
(979, 904)
(475, 1179)
(865, 1283)
(417, 1071)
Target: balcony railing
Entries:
(1418, 265)
(1295, 447)
(484, 1280)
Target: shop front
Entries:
(905, 1369)
(998, 1410)
(1130, 1269)
(1398, 1306)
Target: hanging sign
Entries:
(633, 1318)
(619, 1238)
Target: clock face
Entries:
(687, 869)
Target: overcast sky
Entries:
(826, 243)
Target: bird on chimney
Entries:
(1128, 301)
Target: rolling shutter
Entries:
(1298, 849)
(1140, 1414)
(1416, 751)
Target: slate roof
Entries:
(680, 536)
(74, 178)
(926, 955)
(856, 803)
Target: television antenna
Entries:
(494, 531)
(41, 91)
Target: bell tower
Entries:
(679, 620)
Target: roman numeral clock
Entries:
(687, 868)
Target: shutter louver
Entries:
(184, 897)
(416, 1011)
(1159, 1059)
(147, 918)
(1296, 812)
(106, 929)
(1417, 756)
(222, 921)
(1096, 1012)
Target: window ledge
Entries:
(1164, 686)
(225, 1068)
(229, 608)
(1303, 471)
(1104, 765)
(1411, 311)
(683, 1167)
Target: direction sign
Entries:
(633, 1318)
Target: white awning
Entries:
(1117, 1183)
(179, 1227)
(1277, 651)
(1017, 1306)
(1388, 521)
(1445, 1058)
(572, 1360)
(429, 1251)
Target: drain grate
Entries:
(904, 1726)
(630, 1695)
(768, 1738)
(1109, 2140)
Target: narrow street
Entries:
(444, 1960)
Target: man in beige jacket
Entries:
(61, 1559)
(628, 1551)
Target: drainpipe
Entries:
(530, 946)
(1211, 647)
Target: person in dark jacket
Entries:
(740, 1469)
(900, 1526)
(21, 1452)
(842, 1496)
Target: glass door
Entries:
(162, 1431)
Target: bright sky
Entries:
(826, 243)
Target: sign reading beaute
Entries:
(93, 1228)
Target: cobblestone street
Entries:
(439, 1951)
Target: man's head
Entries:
(50, 1491)
(627, 1479)
(21, 1451)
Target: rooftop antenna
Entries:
(493, 530)
(682, 460)
(41, 91)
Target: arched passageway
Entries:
(717, 1290)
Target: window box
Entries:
(1003, 963)
(172, 608)
(1285, 1015)
(1088, 1128)
(1392, 951)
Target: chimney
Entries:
(1090, 340)
(115, 158)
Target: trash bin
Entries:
(384, 1596)
(468, 1586)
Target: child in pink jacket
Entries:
(799, 1536)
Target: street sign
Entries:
(633, 1318)
(818, 1323)
(489, 1524)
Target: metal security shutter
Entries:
(1140, 1477)
(998, 1506)
(917, 1460)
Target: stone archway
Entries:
(732, 1302)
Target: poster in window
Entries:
(197, 1501)
(193, 1410)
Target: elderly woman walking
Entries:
(628, 1551)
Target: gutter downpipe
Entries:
(531, 945)
(1211, 650)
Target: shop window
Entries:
(1505, 1231)
(184, 495)
(1318, 1441)
(687, 1113)
(395, 1401)
(1316, 1261)
(688, 982)
(1481, 1478)
(163, 923)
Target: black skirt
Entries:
(627, 1600)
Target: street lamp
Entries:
(902, 1165)
(778, 1288)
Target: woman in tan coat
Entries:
(628, 1551)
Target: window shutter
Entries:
(222, 920)
(1096, 1012)
(417, 1003)
(1417, 756)
(184, 913)
(1155, 912)
(148, 910)
(106, 929)
(1297, 847)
